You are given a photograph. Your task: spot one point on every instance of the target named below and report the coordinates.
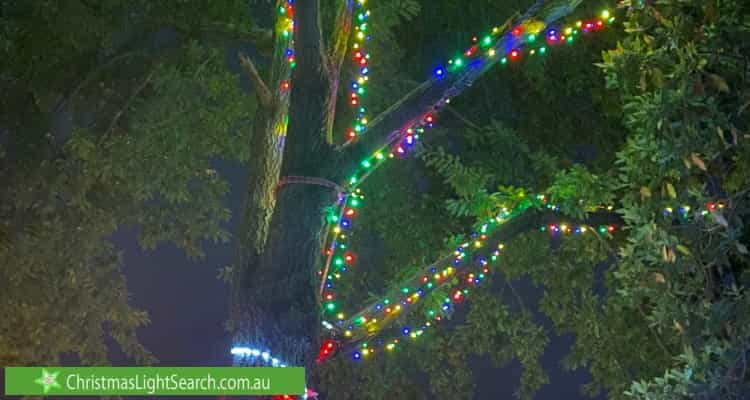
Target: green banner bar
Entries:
(162, 381)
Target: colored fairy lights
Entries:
(361, 58)
(287, 29)
(468, 266)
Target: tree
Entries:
(279, 300)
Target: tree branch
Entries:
(528, 220)
(339, 44)
(261, 90)
(462, 118)
(340, 35)
(127, 104)
(430, 95)
(94, 73)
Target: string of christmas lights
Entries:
(361, 58)
(459, 280)
(287, 32)
(467, 267)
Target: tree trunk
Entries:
(278, 306)
(267, 144)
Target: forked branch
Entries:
(260, 87)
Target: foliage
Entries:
(103, 132)
(672, 70)
(576, 190)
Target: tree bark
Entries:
(267, 144)
(277, 301)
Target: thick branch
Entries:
(261, 90)
(529, 220)
(339, 44)
(340, 36)
(281, 297)
(430, 95)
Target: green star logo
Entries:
(48, 380)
